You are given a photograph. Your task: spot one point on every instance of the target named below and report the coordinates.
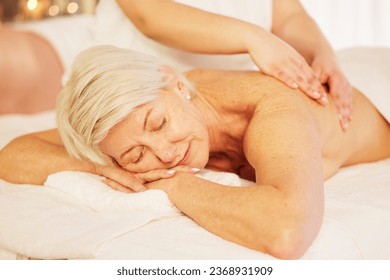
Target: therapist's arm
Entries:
(293, 24)
(194, 30)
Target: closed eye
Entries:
(141, 155)
(162, 125)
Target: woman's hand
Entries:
(122, 180)
(276, 58)
(329, 73)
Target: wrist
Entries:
(254, 37)
(325, 52)
(177, 183)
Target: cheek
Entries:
(185, 124)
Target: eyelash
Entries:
(140, 156)
(143, 149)
(162, 125)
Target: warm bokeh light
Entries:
(72, 7)
(54, 10)
(32, 4)
(29, 10)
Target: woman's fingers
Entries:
(116, 186)
(125, 181)
(122, 177)
(154, 175)
(158, 174)
(187, 168)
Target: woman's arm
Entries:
(29, 159)
(282, 214)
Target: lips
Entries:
(186, 155)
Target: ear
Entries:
(176, 83)
(182, 90)
(169, 73)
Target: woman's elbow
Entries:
(292, 240)
(289, 245)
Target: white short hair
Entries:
(106, 83)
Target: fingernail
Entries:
(324, 100)
(171, 171)
(316, 94)
(195, 169)
(294, 85)
(345, 124)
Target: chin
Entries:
(199, 155)
(200, 162)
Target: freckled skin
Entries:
(235, 96)
(241, 122)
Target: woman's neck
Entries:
(217, 121)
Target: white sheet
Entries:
(76, 216)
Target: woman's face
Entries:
(160, 134)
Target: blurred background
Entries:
(27, 10)
(350, 23)
(346, 23)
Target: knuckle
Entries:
(301, 80)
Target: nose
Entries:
(165, 151)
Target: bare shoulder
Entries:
(238, 88)
(51, 136)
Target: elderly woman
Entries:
(137, 122)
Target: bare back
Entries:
(367, 138)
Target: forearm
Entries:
(259, 217)
(192, 29)
(302, 33)
(29, 160)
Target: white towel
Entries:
(75, 213)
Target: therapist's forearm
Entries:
(302, 33)
(188, 28)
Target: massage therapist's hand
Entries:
(331, 75)
(276, 58)
(122, 180)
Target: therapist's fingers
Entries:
(309, 83)
(341, 92)
(300, 75)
